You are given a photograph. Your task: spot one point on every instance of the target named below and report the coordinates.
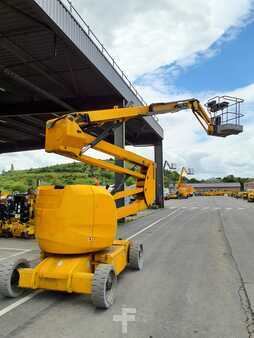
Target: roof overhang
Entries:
(50, 65)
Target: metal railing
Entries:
(86, 28)
(226, 108)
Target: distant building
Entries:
(249, 186)
(202, 187)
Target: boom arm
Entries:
(184, 173)
(212, 122)
(69, 136)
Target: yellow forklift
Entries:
(76, 224)
(250, 196)
(17, 218)
(23, 224)
(5, 216)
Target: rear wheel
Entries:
(7, 234)
(103, 286)
(136, 255)
(9, 278)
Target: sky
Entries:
(175, 49)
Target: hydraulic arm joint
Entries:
(69, 136)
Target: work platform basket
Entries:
(226, 114)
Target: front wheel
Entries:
(9, 278)
(7, 234)
(104, 286)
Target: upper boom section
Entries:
(222, 117)
(72, 135)
(184, 172)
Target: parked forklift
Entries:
(23, 225)
(245, 195)
(17, 215)
(251, 196)
(76, 224)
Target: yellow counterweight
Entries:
(75, 219)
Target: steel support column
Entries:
(119, 140)
(158, 157)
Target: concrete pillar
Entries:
(158, 158)
(119, 140)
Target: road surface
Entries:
(198, 280)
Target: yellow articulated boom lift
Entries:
(181, 189)
(171, 189)
(76, 224)
(184, 190)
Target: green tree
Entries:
(19, 187)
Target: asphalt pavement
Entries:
(197, 281)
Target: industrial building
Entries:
(203, 187)
(249, 186)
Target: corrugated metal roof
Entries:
(44, 45)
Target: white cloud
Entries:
(38, 159)
(186, 144)
(143, 35)
(246, 93)
(29, 159)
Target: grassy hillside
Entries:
(61, 174)
(79, 173)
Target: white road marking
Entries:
(151, 225)
(12, 249)
(14, 255)
(19, 302)
(206, 208)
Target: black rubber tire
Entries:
(7, 234)
(103, 286)
(25, 235)
(136, 255)
(9, 277)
